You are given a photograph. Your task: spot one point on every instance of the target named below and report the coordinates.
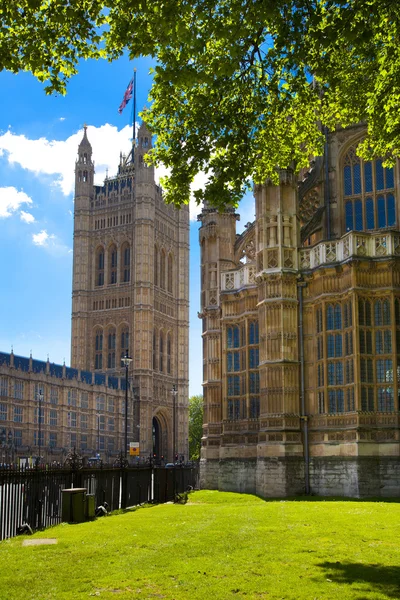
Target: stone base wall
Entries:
(237, 475)
(280, 477)
(209, 471)
(354, 477)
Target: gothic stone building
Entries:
(301, 333)
(130, 295)
(48, 409)
(131, 291)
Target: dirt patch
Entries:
(40, 542)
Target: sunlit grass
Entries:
(218, 546)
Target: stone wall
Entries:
(237, 475)
(209, 470)
(353, 477)
(280, 477)
(361, 477)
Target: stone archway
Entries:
(160, 437)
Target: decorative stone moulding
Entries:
(353, 244)
(238, 279)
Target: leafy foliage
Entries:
(241, 87)
(195, 426)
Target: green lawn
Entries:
(218, 546)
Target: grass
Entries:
(218, 546)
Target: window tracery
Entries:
(126, 263)
(112, 261)
(368, 189)
(98, 342)
(111, 348)
(99, 276)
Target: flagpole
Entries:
(134, 115)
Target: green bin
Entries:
(73, 508)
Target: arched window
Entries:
(368, 190)
(112, 263)
(162, 270)
(169, 354)
(100, 266)
(170, 266)
(155, 265)
(154, 350)
(161, 353)
(126, 263)
(124, 341)
(98, 349)
(111, 349)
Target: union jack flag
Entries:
(127, 96)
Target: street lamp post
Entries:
(126, 361)
(98, 434)
(39, 398)
(174, 393)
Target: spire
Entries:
(84, 167)
(85, 142)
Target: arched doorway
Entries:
(156, 438)
(160, 437)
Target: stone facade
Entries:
(301, 332)
(131, 291)
(78, 409)
(130, 297)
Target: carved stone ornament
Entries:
(309, 205)
(250, 250)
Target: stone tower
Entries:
(130, 293)
(217, 239)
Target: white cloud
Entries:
(11, 199)
(51, 243)
(26, 217)
(56, 158)
(62, 119)
(42, 238)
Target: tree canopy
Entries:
(195, 426)
(241, 87)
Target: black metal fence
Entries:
(33, 496)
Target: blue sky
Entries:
(39, 136)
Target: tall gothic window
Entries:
(376, 359)
(124, 341)
(156, 265)
(239, 355)
(169, 346)
(154, 350)
(368, 189)
(98, 361)
(126, 263)
(162, 269)
(112, 254)
(100, 267)
(334, 374)
(111, 349)
(161, 353)
(170, 266)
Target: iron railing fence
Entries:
(32, 496)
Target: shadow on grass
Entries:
(380, 578)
